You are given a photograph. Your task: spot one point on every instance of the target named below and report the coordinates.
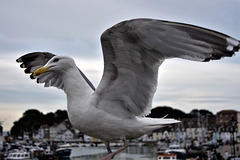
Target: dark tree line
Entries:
(162, 111)
(32, 120)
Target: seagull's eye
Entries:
(56, 60)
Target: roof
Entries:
(227, 111)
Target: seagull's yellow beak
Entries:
(40, 71)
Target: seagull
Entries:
(133, 50)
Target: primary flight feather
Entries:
(133, 51)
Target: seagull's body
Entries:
(81, 97)
(133, 51)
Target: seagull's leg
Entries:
(108, 147)
(111, 155)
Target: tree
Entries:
(49, 119)
(61, 115)
(201, 112)
(17, 130)
(32, 119)
(162, 111)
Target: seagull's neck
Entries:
(75, 87)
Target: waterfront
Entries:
(131, 153)
(135, 152)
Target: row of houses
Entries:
(58, 133)
(225, 126)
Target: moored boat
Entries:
(63, 152)
(167, 156)
(19, 155)
(173, 150)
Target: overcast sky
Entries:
(73, 28)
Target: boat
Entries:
(19, 155)
(48, 152)
(63, 152)
(48, 155)
(167, 156)
(175, 149)
(74, 145)
(65, 146)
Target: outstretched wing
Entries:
(133, 50)
(35, 60)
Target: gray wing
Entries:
(35, 60)
(133, 50)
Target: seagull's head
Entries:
(58, 64)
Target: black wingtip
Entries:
(22, 65)
(32, 77)
(19, 60)
(207, 59)
(236, 48)
(27, 70)
(217, 56)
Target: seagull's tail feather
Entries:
(160, 122)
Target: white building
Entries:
(67, 135)
(57, 131)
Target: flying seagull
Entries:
(133, 50)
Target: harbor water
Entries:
(131, 153)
